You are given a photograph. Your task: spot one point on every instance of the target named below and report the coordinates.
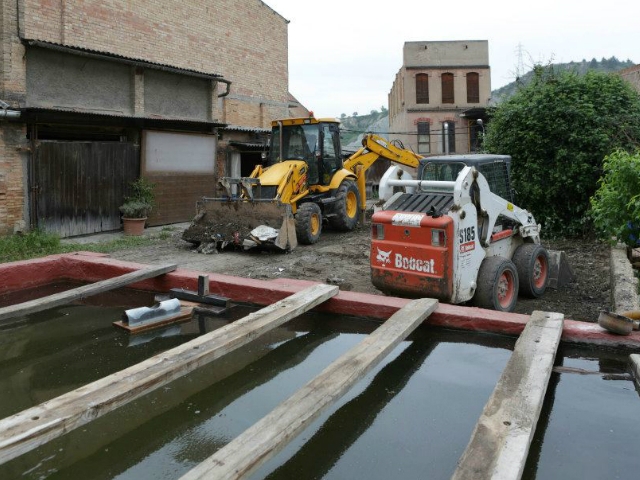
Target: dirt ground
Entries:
(343, 259)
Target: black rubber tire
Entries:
(308, 223)
(532, 262)
(343, 220)
(489, 292)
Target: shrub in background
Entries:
(558, 129)
(615, 207)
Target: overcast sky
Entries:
(344, 54)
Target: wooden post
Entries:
(35, 426)
(263, 440)
(69, 296)
(500, 442)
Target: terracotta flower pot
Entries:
(134, 226)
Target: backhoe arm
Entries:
(374, 147)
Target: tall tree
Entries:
(558, 129)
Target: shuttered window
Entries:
(447, 88)
(422, 88)
(473, 88)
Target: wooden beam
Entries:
(500, 442)
(69, 296)
(267, 437)
(35, 426)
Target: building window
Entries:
(473, 88)
(422, 88)
(447, 88)
(449, 137)
(423, 137)
(475, 136)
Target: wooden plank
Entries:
(35, 426)
(267, 437)
(69, 296)
(500, 442)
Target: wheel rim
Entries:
(351, 203)
(540, 268)
(505, 289)
(314, 224)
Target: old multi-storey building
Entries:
(99, 93)
(439, 95)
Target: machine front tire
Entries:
(532, 262)
(346, 208)
(497, 285)
(308, 223)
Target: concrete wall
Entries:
(60, 80)
(463, 53)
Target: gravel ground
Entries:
(343, 259)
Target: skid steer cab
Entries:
(304, 186)
(453, 233)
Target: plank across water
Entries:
(35, 426)
(84, 291)
(500, 442)
(267, 437)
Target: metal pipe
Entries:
(10, 114)
(423, 184)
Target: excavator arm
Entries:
(374, 147)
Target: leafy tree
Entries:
(343, 115)
(558, 129)
(616, 203)
(355, 114)
(383, 109)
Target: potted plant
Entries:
(137, 206)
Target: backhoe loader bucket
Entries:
(242, 223)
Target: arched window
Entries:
(473, 87)
(447, 88)
(422, 88)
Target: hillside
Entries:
(605, 65)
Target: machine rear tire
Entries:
(497, 285)
(532, 262)
(308, 223)
(346, 208)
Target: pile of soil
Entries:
(343, 259)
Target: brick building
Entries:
(100, 93)
(440, 92)
(632, 75)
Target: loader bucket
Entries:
(230, 222)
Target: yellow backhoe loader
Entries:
(305, 183)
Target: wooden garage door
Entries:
(80, 185)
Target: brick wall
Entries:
(243, 40)
(13, 158)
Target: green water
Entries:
(411, 417)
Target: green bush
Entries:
(558, 129)
(141, 201)
(615, 207)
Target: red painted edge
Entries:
(90, 267)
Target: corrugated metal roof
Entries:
(240, 128)
(74, 49)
